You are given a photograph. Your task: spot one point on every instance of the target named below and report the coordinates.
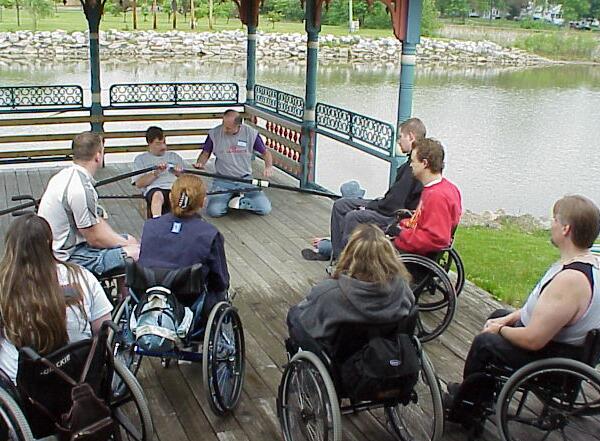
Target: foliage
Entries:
(112, 8)
(575, 9)
(458, 8)
(534, 24)
(429, 21)
(563, 44)
(494, 259)
(5, 4)
(39, 9)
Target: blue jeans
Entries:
(217, 205)
(98, 261)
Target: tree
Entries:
(595, 8)
(514, 7)
(458, 8)
(5, 4)
(429, 20)
(575, 9)
(38, 9)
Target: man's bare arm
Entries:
(202, 159)
(102, 235)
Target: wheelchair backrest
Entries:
(41, 384)
(181, 281)
(591, 352)
(351, 337)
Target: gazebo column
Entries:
(312, 17)
(251, 64)
(93, 13)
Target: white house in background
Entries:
(549, 13)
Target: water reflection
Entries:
(517, 138)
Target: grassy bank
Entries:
(507, 262)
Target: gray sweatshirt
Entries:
(347, 300)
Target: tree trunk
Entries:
(154, 14)
(18, 14)
(175, 19)
(210, 15)
(134, 14)
(193, 15)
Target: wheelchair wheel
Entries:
(130, 408)
(123, 342)
(434, 294)
(307, 403)
(423, 418)
(110, 285)
(552, 399)
(223, 358)
(451, 261)
(13, 424)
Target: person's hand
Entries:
(268, 171)
(160, 168)
(502, 321)
(393, 230)
(177, 170)
(198, 165)
(492, 328)
(130, 240)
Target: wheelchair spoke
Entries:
(126, 424)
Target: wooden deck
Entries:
(269, 275)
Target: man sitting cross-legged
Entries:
(156, 184)
(431, 226)
(70, 205)
(347, 213)
(562, 308)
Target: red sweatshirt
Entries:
(430, 227)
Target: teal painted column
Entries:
(309, 137)
(251, 64)
(408, 62)
(93, 15)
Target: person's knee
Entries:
(158, 198)
(216, 207)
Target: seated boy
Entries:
(156, 184)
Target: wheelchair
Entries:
(32, 409)
(217, 341)
(312, 394)
(549, 399)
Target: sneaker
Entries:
(234, 202)
(310, 254)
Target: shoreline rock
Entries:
(499, 218)
(228, 45)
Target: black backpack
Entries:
(58, 404)
(385, 368)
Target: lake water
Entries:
(516, 138)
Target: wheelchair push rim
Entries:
(430, 285)
(422, 419)
(552, 399)
(223, 358)
(13, 424)
(123, 343)
(130, 408)
(307, 403)
(449, 260)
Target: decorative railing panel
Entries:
(32, 97)
(175, 94)
(279, 102)
(355, 127)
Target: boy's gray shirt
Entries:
(233, 153)
(346, 300)
(166, 178)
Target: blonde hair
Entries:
(32, 301)
(369, 256)
(187, 195)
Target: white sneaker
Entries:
(234, 202)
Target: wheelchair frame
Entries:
(222, 373)
(18, 427)
(329, 408)
(554, 384)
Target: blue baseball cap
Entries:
(352, 189)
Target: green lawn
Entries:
(72, 19)
(507, 262)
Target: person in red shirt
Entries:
(438, 213)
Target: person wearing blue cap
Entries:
(352, 210)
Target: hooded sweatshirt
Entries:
(346, 300)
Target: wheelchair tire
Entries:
(13, 424)
(431, 286)
(122, 342)
(223, 358)
(300, 404)
(409, 421)
(141, 429)
(553, 399)
(449, 260)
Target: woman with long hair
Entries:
(182, 238)
(370, 285)
(44, 303)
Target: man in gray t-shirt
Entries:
(233, 145)
(156, 185)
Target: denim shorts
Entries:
(98, 261)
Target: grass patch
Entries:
(561, 45)
(506, 262)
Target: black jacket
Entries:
(405, 192)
